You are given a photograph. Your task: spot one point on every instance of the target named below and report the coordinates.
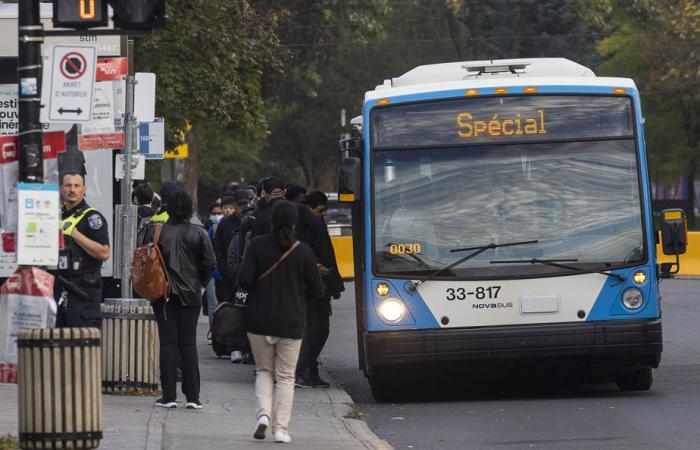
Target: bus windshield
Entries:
(580, 199)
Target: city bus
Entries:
(502, 218)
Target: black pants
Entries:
(177, 329)
(78, 312)
(315, 335)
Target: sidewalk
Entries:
(227, 420)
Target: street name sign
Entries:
(72, 83)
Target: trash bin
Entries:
(130, 346)
(60, 400)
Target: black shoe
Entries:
(194, 404)
(320, 382)
(163, 403)
(302, 382)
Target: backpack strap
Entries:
(156, 236)
(277, 263)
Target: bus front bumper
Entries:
(609, 344)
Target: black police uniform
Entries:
(80, 293)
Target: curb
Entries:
(342, 406)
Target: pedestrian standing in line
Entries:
(318, 313)
(78, 288)
(295, 193)
(189, 259)
(142, 196)
(210, 298)
(281, 276)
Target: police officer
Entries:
(86, 247)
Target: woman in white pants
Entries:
(281, 275)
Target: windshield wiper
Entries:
(555, 263)
(477, 251)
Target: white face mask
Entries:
(215, 218)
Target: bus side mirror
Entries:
(674, 239)
(350, 179)
(674, 231)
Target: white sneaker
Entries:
(282, 437)
(261, 427)
(236, 357)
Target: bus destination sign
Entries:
(492, 120)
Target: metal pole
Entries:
(130, 124)
(31, 158)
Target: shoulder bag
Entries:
(240, 298)
(149, 276)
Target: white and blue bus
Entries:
(502, 216)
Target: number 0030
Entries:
(405, 249)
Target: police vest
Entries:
(72, 221)
(70, 258)
(160, 217)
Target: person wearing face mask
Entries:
(210, 300)
(215, 215)
(225, 230)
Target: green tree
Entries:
(305, 99)
(656, 42)
(210, 60)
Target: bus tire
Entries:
(635, 380)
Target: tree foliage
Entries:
(656, 42)
(210, 60)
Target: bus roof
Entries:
(504, 72)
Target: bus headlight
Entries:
(632, 298)
(392, 310)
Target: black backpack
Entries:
(228, 329)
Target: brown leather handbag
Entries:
(149, 276)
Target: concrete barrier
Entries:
(690, 261)
(342, 245)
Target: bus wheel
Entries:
(635, 380)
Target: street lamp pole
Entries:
(31, 161)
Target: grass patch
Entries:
(8, 441)
(354, 413)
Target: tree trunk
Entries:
(460, 37)
(191, 165)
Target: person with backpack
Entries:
(189, 260)
(281, 276)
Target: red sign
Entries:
(109, 69)
(73, 65)
(8, 149)
(54, 142)
(100, 141)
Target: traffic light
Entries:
(141, 14)
(79, 13)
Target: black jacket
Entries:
(277, 304)
(309, 228)
(333, 282)
(189, 258)
(222, 238)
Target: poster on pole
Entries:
(104, 130)
(38, 224)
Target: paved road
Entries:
(528, 415)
